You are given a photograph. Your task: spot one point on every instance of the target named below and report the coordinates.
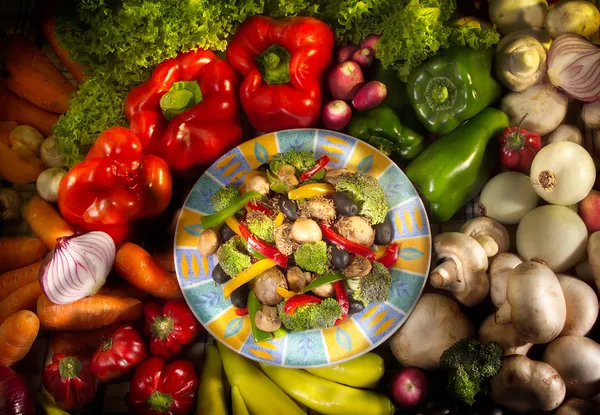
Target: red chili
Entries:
(342, 298)
(390, 256)
(241, 311)
(264, 248)
(259, 208)
(518, 148)
(321, 163)
(346, 244)
(298, 301)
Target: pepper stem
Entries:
(274, 65)
(107, 344)
(181, 97)
(160, 402)
(516, 140)
(440, 93)
(69, 367)
(162, 327)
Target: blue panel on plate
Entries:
(305, 349)
(411, 226)
(338, 147)
(199, 197)
(379, 323)
(206, 300)
(404, 289)
(271, 354)
(231, 168)
(198, 267)
(396, 186)
(301, 140)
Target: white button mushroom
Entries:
(492, 235)
(208, 242)
(306, 231)
(582, 306)
(503, 334)
(267, 319)
(356, 229)
(257, 183)
(500, 270)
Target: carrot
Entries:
(14, 108)
(17, 334)
(165, 259)
(25, 298)
(45, 221)
(62, 54)
(70, 343)
(138, 267)
(11, 281)
(19, 251)
(5, 128)
(99, 310)
(37, 88)
(19, 167)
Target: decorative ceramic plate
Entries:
(358, 334)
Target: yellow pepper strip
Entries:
(211, 393)
(287, 294)
(309, 191)
(247, 275)
(234, 225)
(279, 220)
(380, 251)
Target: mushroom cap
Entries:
(521, 63)
(582, 306)
(332, 175)
(297, 279)
(267, 319)
(208, 242)
(320, 208)
(325, 290)
(356, 229)
(306, 231)
(468, 254)
(265, 284)
(258, 183)
(503, 334)
(500, 270)
(283, 239)
(359, 267)
(482, 227)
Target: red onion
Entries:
(15, 398)
(370, 42)
(77, 266)
(345, 53)
(370, 96)
(345, 79)
(364, 57)
(574, 66)
(336, 114)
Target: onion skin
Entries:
(345, 80)
(507, 198)
(370, 96)
(336, 115)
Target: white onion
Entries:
(553, 235)
(77, 266)
(508, 197)
(563, 173)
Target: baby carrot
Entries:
(19, 251)
(17, 334)
(45, 221)
(11, 281)
(25, 298)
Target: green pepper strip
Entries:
(253, 306)
(217, 218)
(324, 279)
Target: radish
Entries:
(370, 96)
(409, 387)
(336, 114)
(364, 57)
(345, 79)
(370, 42)
(345, 53)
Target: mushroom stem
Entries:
(488, 243)
(502, 315)
(447, 277)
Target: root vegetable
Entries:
(593, 250)
(582, 306)
(534, 303)
(553, 235)
(513, 15)
(435, 324)
(463, 270)
(521, 63)
(524, 385)
(590, 113)
(503, 334)
(370, 96)
(566, 132)
(577, 360)
(573, 16)
(47, 183)
(409, 387)
(507, 198)
(500, 270)
(345, 79)
(576, 406)
(491, 235)
(336, 115)
(370, 42)
(364, 57)
(546, 108)
(49, 153)
(345, 53)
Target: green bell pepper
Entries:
(382, 128)
(452, 87)
(456, 167)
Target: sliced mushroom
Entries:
(503, 334)
(265, 284)
(359, 267)
(287, 174)
(355, 228)
(267, 319)
(306, 231)
(320, 208)
(492, 235)
(332, 176)
(463, 270)
(500, 270)
(283, 239)
(298, 279)
(208, 242)
(258, 183)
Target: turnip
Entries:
(336, 114)
(345, 53)
(370, 96)
(364, 57)
(345, 79)
(370, 42)
(409, 387)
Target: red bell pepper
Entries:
(259, 208)
(320, 165)
(70, 381)
(160, 388)
(269, 251)
(342, 298)
(347, 244)
(298, 301)
(518, 148)
(241, 311)
(188, 112)
(115, 185)
(390, 256)
(120, 352)
(282, 62)
(170, 328)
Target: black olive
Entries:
(239, 298)
(288, 207)
(263, 167)
(344, 205)
(219, 276)
(339, 258)
(226, 233)
(355, 306)
(384, 232)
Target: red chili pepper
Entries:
(346, 244)
(70, 381)
(518, 148)
(342, 298)
(259, 207)
(241, 311)
(390, 256)
(282, 62)
(268, 250)
(119, 353)
(170, 327)
(298, 301)
(321, 163)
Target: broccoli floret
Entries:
(300, 160)
(469, 363)
(261, 226)
(311, 316)
(223, 197)
(232, 259)
(367, 193)
(313, 257)
(373, 287)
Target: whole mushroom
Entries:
(265, 286)
(10, 203)
(257, 183)
(521, 63)
(492, 235)
(576, 406)
(356, 229)
(524, 385)
(582, 306)
(267, 319)
(320, 208)
(283, 239)
(500, 270)
(463, 270)
(503, 334)
(306, 231)
(298, 279)
(325, 290)
(287, 174)
(359, 267)
(332, 175)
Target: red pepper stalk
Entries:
(268, 250)
(70, 381)
(390, 256)
(346, 244)
(342, 298)
(170, 327)
(320, 165)
(298, 301)
(518, 147)
(120, 352)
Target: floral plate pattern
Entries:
(358, 334)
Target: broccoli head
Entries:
(373, 287)
(300, 160)
(469, 363)
(367, 193)
(311, 316)
(313, 257)
(232, 259)
(261, 226)
(224, 197)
